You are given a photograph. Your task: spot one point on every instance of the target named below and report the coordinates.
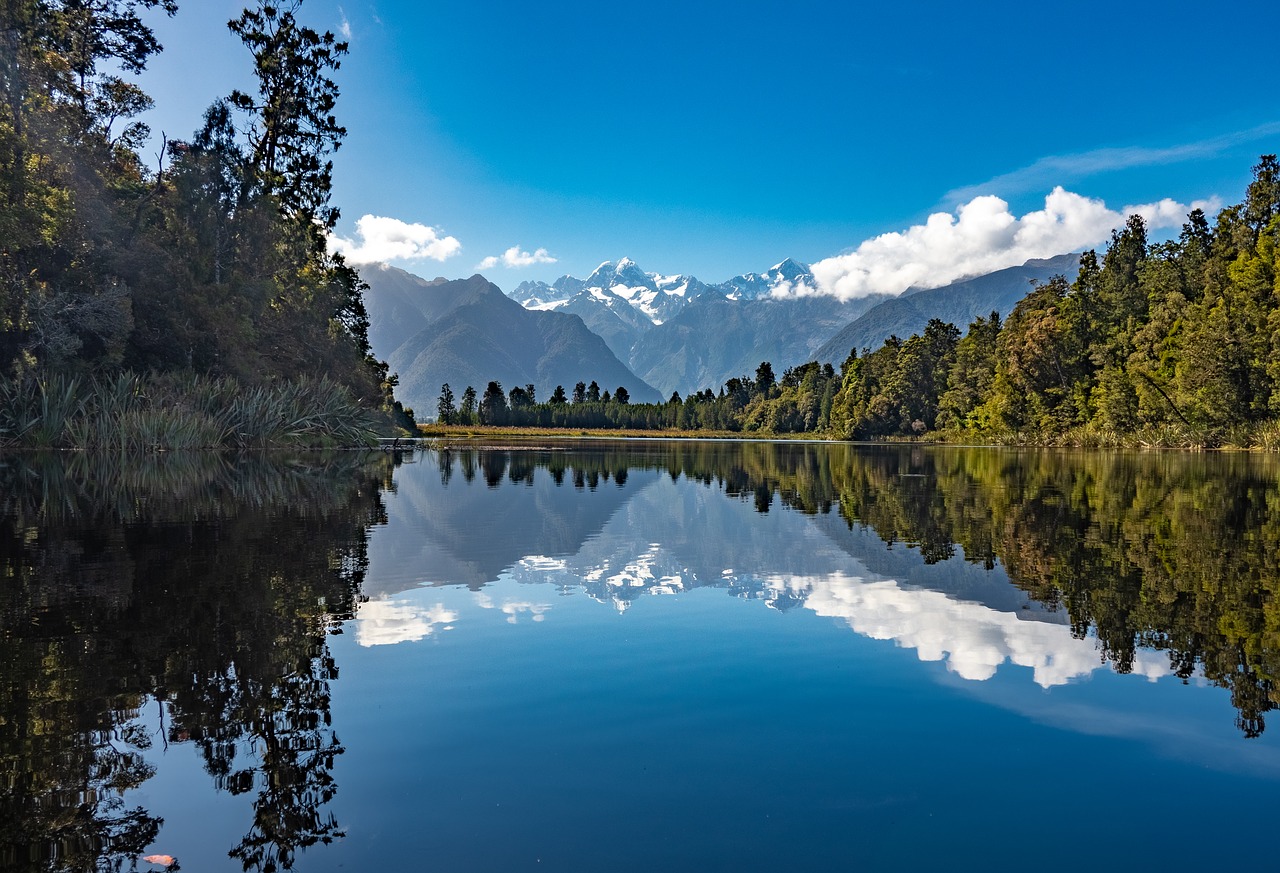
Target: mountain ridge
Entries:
(468, 332)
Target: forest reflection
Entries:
(173, 599)
(1174, 552)
(189, 599)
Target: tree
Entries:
(468, 409)
(292, 129)
(1041, 359)
(593, 392)
(558, 396)
(446, 412)
(622, 395)
(493, 406)
(764, 378)
(580, 393)
(1262, 201)
(969, 379)
(520, 398)
(88, 32)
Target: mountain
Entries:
(653, 297)
(959, 303)
(716, 338)
(686, 334)
(755, 286)
(677, 333)
(467, 332)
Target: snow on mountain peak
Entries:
(661, 297)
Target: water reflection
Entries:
(1151, 564)
(189, 601)
(181, 600)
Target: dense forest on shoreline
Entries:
(207, 263)
(1173, 343)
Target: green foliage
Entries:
(446, 412)
(291, 126)
(895, 390)
(127, 413)
(215, 262)
(1154, 344)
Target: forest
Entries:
(149, 296)
(1156, 343)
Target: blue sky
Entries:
(715, 138)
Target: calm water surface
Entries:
(640, 656)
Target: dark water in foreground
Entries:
(641, 656)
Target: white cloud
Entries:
(981, 237)
(387, 622)
(383, 239)
(344, 25)
(513, 258)
(513, 608)
(973, 639)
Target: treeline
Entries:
(1169, 343)
(800, 402)
(209, 257)
(1172, 343)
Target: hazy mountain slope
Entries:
(468, 332)
(715, 338)
(394, 309)
(959, 303)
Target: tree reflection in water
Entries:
(174, 600)
(189, 599)
(1169, 551)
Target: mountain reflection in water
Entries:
(191, 601)
(1149, 563)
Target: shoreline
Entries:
(477, 433)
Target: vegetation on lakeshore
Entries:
(1155, 344)
(128, 413)
(209, 259)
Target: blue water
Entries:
(652, 663)
(654, 675)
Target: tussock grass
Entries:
(132, 413)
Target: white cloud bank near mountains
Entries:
(383, 239)
(981, 237)
(513, 258)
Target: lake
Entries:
(640, 656)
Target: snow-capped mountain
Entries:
(789, 276)
(656, 297)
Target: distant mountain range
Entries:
(650, 333)
(467, 332)
(681, 334)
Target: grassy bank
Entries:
(1263, 437)
(134, 413)
(480, 431)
